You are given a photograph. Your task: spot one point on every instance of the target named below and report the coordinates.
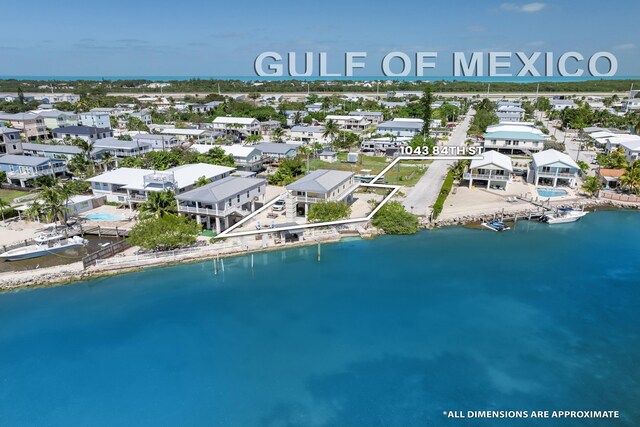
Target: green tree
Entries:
(328, 211)
(3, 177)
(202, 181)
(331, 130)
(3, 207)
(392, 218)
(135, 124)
(630, 180)
(277, 134)
(591, 185)
(164, 232)
(54, 201)
(158, 204)
(425, 103)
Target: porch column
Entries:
(129, 200)
(555, 181)
(218, 231)
(226, 222)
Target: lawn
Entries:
(9, 195)
(404, 173)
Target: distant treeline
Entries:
(100, 87)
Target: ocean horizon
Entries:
(483, 79)
(394, 331)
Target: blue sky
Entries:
(222, 38)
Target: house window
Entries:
(247, 194)
(238, 198)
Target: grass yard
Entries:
(404, 173)
(9, 195)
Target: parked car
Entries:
(278, 205)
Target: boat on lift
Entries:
(42, 249)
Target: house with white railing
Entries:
(493, 171)
(321, 186)
(351, 123)
(224, 202)
(130, 186)
(240, 125)
(553, 168)
(21, 169)
(513, 138)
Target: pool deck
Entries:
(125, 223)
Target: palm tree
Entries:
(35, 211)
(86, 147)
(631, 178)
(202, 181)
(3, 206)
(297, 117)
(107, 160)
(591, 185)
(54, 203)
(277, 134)
(159, 203)
(331, 130)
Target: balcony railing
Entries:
(213, 212)
(557, 174)
(487, 176)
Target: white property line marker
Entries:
(394, 189)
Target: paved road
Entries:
(423, 195)
(571, 143)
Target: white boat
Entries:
(562, 216)
(50, 236)
(496, 226)
(42, 249)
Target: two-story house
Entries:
(493, 171)
(553, 168)
(401, 127)
(308, 134)
(351, 123)
(512, 138)
(220, 204)
(10, 142)
(31, 125)
(321, 186)
(157, 142)
(21, 169)
(238, 125)
(96, 119)
(88, 133)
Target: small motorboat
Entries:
(496, 226)
(563, 215)
(50, 236)
(42, 249)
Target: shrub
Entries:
(392, 218)
(328, 211)
(164, 233)
(444, 192)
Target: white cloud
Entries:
(526, 8)
(625, 46)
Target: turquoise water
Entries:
(387, 332)
(104, 217)
(551, 192)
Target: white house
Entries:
(320, 186)
(98, 119)
(401, 127)
(157, 142)
(243, 125)
(631, 149)
(131, 186)
(561, 104)
(121, 149)
(195, 135)
(10, 142)
(349, 122)
(611, 143)
(492, 171)
(553, 168)
(276, 150)
(510, 114)
(223, 202)
(247, 157)
(57, 119)
(328, 156)
(374, 117)
(514, 138)
(308, 134)
(630, 104)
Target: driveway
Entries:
(421, 197)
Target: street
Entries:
(423, 195)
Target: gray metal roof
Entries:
(4, 129)
(57, 148)
(307, 129)
(276, 147)
(221, 190)
(114, 143)
(80, 130)
(320, 181)
(16, 159)
(400, 124)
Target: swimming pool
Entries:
(551, 192)
(105, 217)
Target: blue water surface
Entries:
(385, 332)
(551, 192)
(104, 217)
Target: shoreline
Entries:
(73, 273)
